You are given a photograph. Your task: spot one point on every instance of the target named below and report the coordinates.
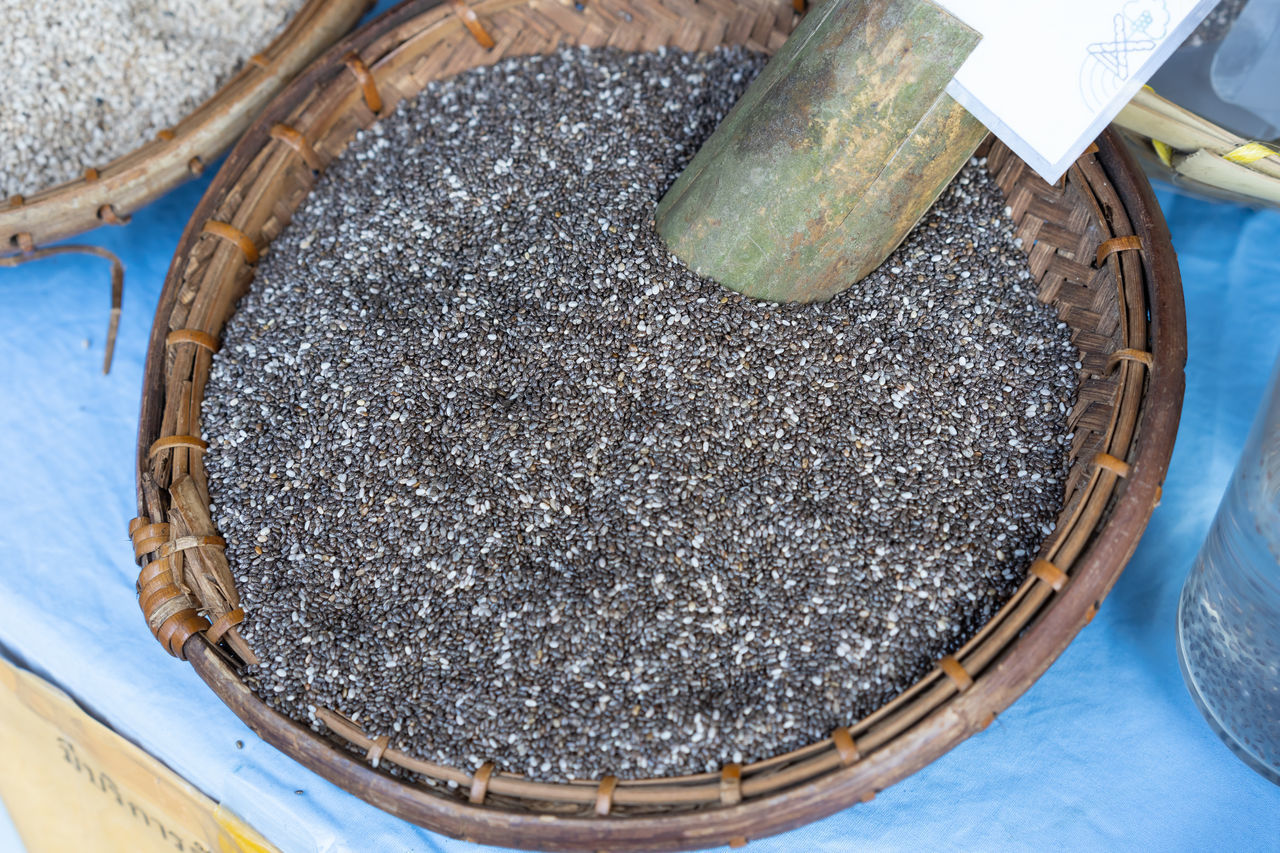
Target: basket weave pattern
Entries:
(1098, 255)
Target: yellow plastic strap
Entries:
(1250, 152)
(1163, 151)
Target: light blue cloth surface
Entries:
(1106, 751)
(8, 832)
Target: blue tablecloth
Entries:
(1107, 751)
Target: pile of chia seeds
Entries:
(86, 81)
(502, 479)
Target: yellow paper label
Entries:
(70, 783)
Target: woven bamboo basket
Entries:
(1096, 243)
(107, 195)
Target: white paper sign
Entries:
(1048, 76)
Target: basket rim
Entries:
(109, 195)
(963, 714)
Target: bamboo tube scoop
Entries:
(834, 153)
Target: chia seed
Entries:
(503, 480)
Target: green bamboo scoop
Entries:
(831, 156)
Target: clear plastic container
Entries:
(1225, 71)
(1229, 613)
(1245, 69)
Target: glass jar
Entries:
(1229, 613)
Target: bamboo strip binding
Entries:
(29, 252)
(1106, 300)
